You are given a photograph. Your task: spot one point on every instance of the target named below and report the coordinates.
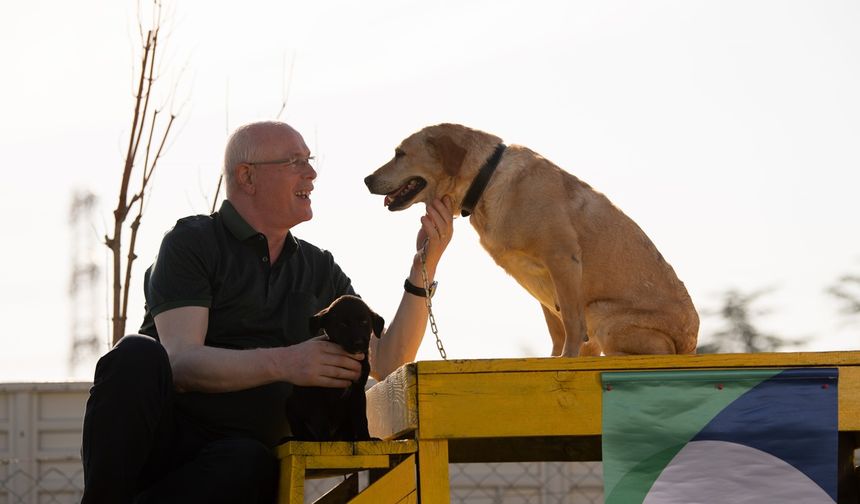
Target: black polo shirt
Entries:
(220, 262)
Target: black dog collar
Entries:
(473, 194)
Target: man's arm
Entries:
(400, 343)
(201, 368)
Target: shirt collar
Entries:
(240, 228)
(235, 223)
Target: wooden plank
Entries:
(393, 487)
(391, 407)
(291, 487)
(511, 404)
(637, 362)
(544, 403)
(396, 447)
(309, 448)
(315, 448)
(433, 485)
(357, 462)
(566, 392)
(849, 398)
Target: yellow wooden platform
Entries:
(547, 409)
(395, 461)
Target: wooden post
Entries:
(292, 485)
(433, 487)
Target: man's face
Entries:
(283, 189)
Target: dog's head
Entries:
(436, 161)
(349, 322)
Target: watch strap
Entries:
(418, 291)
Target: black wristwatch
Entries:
(418, 291)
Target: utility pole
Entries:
(84, 282)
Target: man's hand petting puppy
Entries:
(318, 362)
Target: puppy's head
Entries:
(349, 322)
(436, 161)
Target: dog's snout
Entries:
(368, 181)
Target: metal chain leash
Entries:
(429, 303)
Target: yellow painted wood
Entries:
(409, 499)
(560, 399)
(849, 398)
(509, 404)
(291, 488)
(643, 362)
(397, 447)
(433, 487)
(393, 487)
(315, 448)
(346, 448)
(356, 462)
(303, 459)
(558, 396)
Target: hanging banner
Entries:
(735, 436)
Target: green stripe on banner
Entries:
(642, 431)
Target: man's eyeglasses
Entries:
(293, 162)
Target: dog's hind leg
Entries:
(635, 340)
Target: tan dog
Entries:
(594, 271)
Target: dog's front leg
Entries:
(566, 275)
(556, 330)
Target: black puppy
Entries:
(329, 414)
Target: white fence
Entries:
(40, 440)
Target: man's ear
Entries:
(449, 154)
(245, 178)
(378, 324)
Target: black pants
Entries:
(137, 449)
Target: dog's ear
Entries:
(378, 323)
(449, 153)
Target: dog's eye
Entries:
(398, 153)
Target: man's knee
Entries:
(138, 357)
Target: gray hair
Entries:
(246, 144)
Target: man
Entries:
(193, 416)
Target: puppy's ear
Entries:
(378, 323)
(449, 154)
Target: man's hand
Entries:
(437, 226)
(318, 362)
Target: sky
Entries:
(727, 130)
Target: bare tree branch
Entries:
(286, 82)
(140, 132)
